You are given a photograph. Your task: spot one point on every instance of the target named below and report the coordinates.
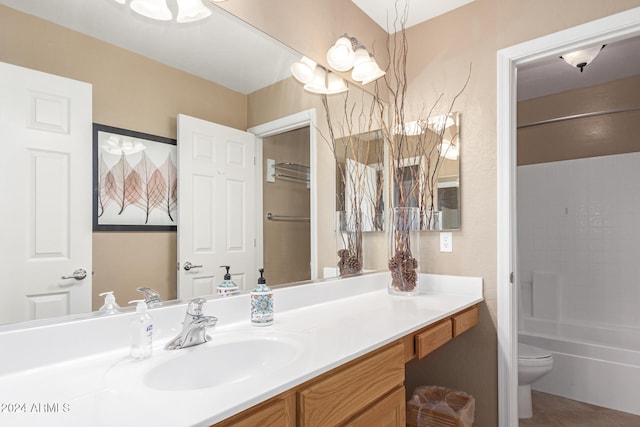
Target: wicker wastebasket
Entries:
(435, 406)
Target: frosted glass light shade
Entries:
(304, 70)
(191, 10)
(341, 55)
(335, 84)
(319, 82)
(365, 68)
(448, 150)
(582, 58)
(154, 9)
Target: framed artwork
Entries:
(134, 181)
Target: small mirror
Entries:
(429, 175)
(359, 177)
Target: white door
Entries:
(45, 193)
(216, 206)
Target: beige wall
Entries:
(441, 51)
(287, 244)
(131, 92)
(582, 137)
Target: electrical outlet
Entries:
(446, 241)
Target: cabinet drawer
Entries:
(437, 335)
(277, 412)
(389, 412)
(340, 395)
(465, 320)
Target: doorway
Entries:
(286, 215)
(301, 120)
(606, 30)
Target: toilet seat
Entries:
(529, 352)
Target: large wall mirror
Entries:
(124, 93)
(429, 171)
(430, 174)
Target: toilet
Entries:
(533, 363)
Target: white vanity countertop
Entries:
(343, 320)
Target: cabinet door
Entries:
(389, 412)
(277, 412)
(340, 395)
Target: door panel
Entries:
(216, 208)
(45, 128)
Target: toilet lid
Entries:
(526, 351)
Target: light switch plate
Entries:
(446, 241)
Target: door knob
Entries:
(188, 266)
(78, 274)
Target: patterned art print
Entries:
(135, 181)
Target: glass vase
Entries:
(404, 250)
(349, 243)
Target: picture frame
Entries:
(134, 180)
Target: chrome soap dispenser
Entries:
(262, 303)
(227, 287)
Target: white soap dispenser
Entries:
(141, 331)
(227, 287)
(110, 306)
(262, 303)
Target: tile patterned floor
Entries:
(555, 411)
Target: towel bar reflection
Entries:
(273, 217)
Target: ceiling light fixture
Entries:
(347, 53)
(582, 58)
(317, 79)
(188, 10)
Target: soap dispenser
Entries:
(227, 287)
(141, 330)
(262, 303)
(110, 306)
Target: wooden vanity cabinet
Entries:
(361, 393)
(422, 342)
(279, 411)
(367, 391)
(356, 389)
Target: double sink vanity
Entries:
(335, 355)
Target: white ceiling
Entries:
(229, 52)
(221, 48)
(551, 75)
(384, 11)
(543, 77)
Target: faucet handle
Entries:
(195, 306)
(151, 296)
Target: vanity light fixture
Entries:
(347, 53)
(188, 10)
(317, 79)
(448, 150)
(582, 58)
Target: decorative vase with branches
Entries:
(413, 183)
(356, 143)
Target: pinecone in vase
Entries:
(348, 264)
(403, 267)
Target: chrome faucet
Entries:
(194, 327)
(151, 296)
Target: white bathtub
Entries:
(592, 364)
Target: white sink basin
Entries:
(224, 360)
